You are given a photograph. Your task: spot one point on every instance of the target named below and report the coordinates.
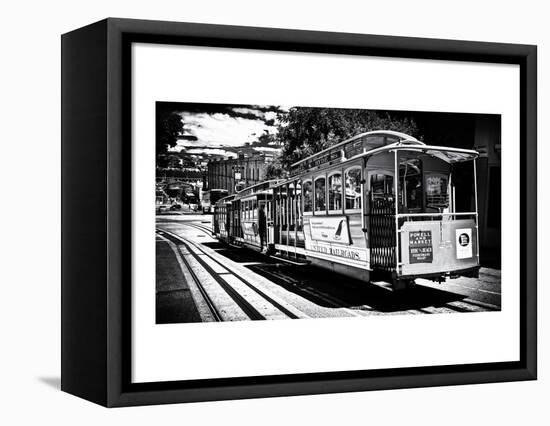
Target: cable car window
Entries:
(436, 191)
(308, 196)
(372, 142)
(292, 205)
(320, 194)
(353, 188)
(335, 192)
(410, 185)
(284, 211)
(298, 206)
(381, 186)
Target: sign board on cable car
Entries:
(332, 229)
(249, 228)
(420, 246)
(464, 243)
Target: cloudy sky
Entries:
(218, 126)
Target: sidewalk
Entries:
(174, 303)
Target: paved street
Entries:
(202, 279)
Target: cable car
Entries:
(380, 206)
(210, 197)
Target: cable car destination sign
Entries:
(420, 247)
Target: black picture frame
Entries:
(96, 209)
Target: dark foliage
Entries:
(304, 131)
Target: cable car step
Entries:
(293, 262)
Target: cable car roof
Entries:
(448, 154)
(372, 143)
(401, 137)
(226, 199)
(352, 147)
(258, 188)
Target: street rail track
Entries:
(332, 301)
(253, 287)
(241, 302)
(244, 304)
(207, 299)
(200, 227)
(465, 305)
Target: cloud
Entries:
(222, 129)
(212, 152)
(265, 148)
(251, 112)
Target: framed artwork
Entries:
(254, 212)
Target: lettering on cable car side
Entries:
(352, 253)
(420, 247)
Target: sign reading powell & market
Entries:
(420, 247)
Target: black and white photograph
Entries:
(270, 212)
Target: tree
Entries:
(169, 128)
(275, 169)
(304, 131)
(267, 139)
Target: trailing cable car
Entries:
(210, 197)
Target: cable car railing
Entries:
(446, 214)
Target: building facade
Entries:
(237, 173)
